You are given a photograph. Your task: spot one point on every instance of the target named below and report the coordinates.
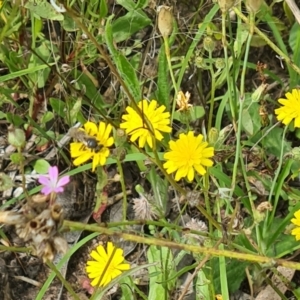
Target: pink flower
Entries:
(51, 183)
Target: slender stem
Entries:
(124, 204)
(274, 182)
(242, 98)
(212, 93)
(168, 56)
(229, 79)
(195, 249)
(63, 280)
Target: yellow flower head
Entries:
(136, 126)
(106, 265)
(188, 154)
(290, 109)
(92, 143)
(296, 221)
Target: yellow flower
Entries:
(136, 126)
(290, 109)
(92, 143)
(106, 265)
(296, 221)
(188, 154)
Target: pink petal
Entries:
(58, 189)
(46, 190)
(53, 173)
(63, 181)
(44, 180)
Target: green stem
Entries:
(168, 56)
(274, 182)
(63, 280)
(232, 104)
(124, 204)
(175, 245)
(212, 93)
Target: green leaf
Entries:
(247, 122)
(235, 274)
(40, 77)
(14, 119)
(162, 256)
(16, 158)
(124, 67)
(75, 110)
(294, 41)
(41, 166)
(257, 41)
(103, 9)
(272, 143)
(160, 191)
(128, 4)
(163, 86)
(197, 112)
(125, 26)
(69, 24)
(202, 287)
(48, 116)
(24, 72)
(43, 9)
(58, 106)
(142, 3)
(91, 92)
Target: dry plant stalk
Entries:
(37, 224)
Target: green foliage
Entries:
(126, 70)
(124, 27)
(41, 166)
(235, 272)
(43, 9)
(98, 57)
(294, 42)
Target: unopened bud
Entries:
(220, 63)
(5, 182)
(225, 5)
(296, 153)
(213, 135)
(209, 44)
(253, 5)
(200, 62)
(16, 137)
(165, 20)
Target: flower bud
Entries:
(5, 182)
(220, 63)
(296, 153)
(209, 44)
(213, 135)
(165, 20)
(225, 5)
(16, 137)
(200, 63)
(253, 5)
